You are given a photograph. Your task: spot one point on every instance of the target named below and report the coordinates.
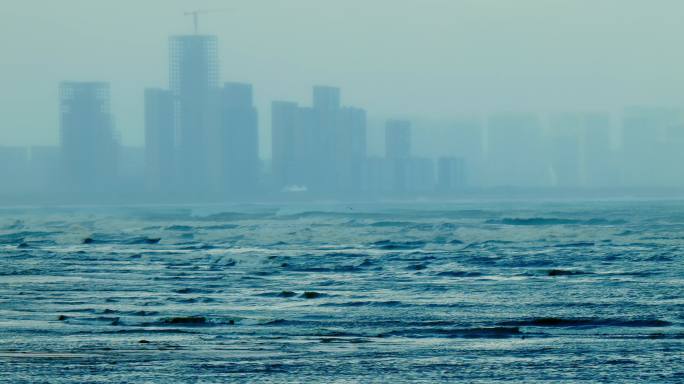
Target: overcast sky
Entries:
(431, 58)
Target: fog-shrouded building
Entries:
(350, 150)
(420, 175)
(580, 150)
(398, 153)
(194, 83)
(159, 140)
(322, 148)
(468, 146)
(239, 138)
(284, 137)
(451, 173)
(324, 134)
(599, 168)
(564, 150)
(45, 167)
(14, 167)
(89, 146)
(646, 153)
(515, 154)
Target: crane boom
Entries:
(195, 15)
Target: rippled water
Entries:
(478, 292)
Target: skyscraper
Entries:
(467, 137)
(326, 98)
(159, 139)
(283, 140)
(322, 148)
(239, 138)
(450, 173)
(564, 150)
(14, 169)
(350, 149)
(194, 77)
(644, 146)
(580, 150)
(515, 156)
(326, 148)
(398, 139)
(398, 153)
(45, 167)
(89, 147)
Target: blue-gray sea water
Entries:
(472, 292)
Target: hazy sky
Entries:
(435, 58)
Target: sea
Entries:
(395, 292)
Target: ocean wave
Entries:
(398, 245)
(466, 333)
(542, 221)
(110, 239)
(587, 322)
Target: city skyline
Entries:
(544, 62)
(204, 138)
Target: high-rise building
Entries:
(132, 163)
(420, 175)
(398, 139)
(194, 83)
(515, 156)
(350, 150)
(398, 153)
(580, 150)
(451, 173)
(326, 98)
(89, 146)
(239, 139)
(159, 139)
(14, 170)
(321, 148)
(324, 136)
(45, 167)
(467, 143)
(286, 138)
(644, 159)
(564, 150)
(598, 156)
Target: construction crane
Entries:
(195, 15)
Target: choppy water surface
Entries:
(392, 293)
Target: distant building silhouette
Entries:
(239, 138)
(468, 145)
(326, 98)
(45, 167)
(398, 153)
(321, 148)
(599, 163)
(89, 147)
(398, 139)
(194, 79)
(350, 150)
(515, 153)
(580, 151)
(285, 136)
(645, 146)
(451, 174)
(420, 175)
(14, 169)
(324, 132)
(565, 150)
(132, 170)
(159, 140)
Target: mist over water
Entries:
(536, 96)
